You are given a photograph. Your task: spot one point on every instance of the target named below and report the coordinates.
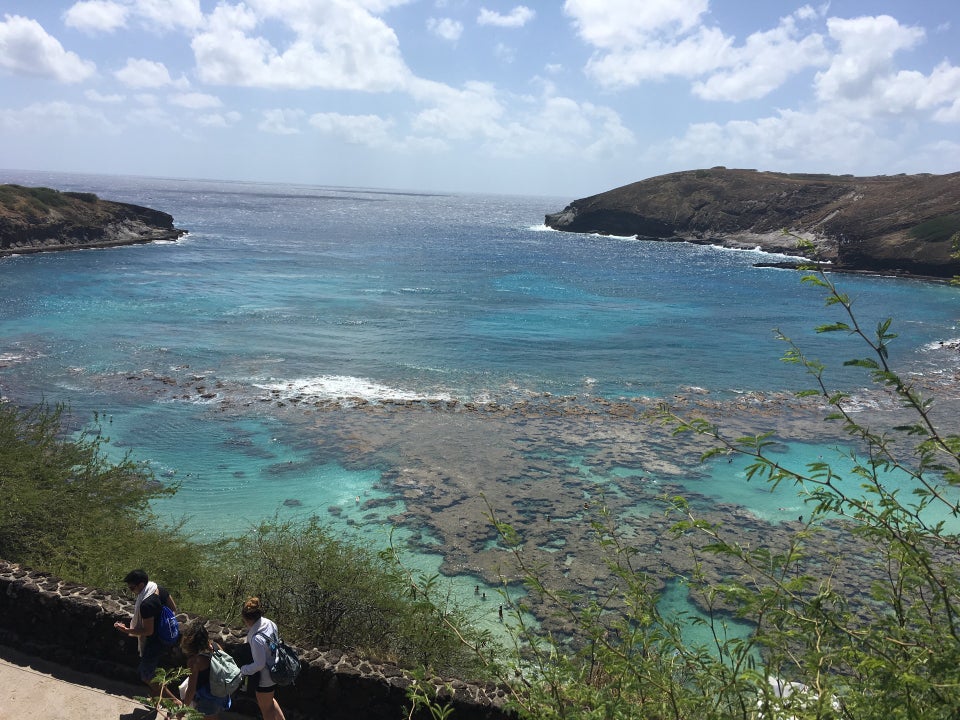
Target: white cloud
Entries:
(504, 53)
(562, 127)
(863, 81)
(281, 121)
(865, 58)
(519, 127)
(764, 62)
(369, 130)
(516, 18)
(195, 101)
(458, 114)
(822, 141)
(669, 39)
(621, 24)
(57, 117)
(169, 14)
(94, 96)
(27, 49)
(337, 46)
(445, 28)
(689, 57)
(221, 120)
(93, 16)
(154, 116)
(140, 73)
(105, 16)
(949, 114)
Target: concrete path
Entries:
(34, 689)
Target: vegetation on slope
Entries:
(69, 511)
(896, 223)
(34, 219)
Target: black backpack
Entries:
(286, 664)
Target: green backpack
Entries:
(225, 675)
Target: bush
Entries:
(65, 508)
(69, 511)
(341, 593)
(82, 196)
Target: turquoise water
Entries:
(727, 481)
(331, 293)
(697, 628)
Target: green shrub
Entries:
(82, 196)
(937, 229)
(69, 511)
(338, 592)
(64, 506)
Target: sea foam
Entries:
(343, 387)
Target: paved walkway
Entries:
(34, 689)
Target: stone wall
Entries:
(72, 625)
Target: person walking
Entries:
(143, 625)
(259, 631)
(199, 648)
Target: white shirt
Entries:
(259, 650)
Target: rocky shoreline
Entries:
(40, 219)
(902, 224)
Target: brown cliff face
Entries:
(895, 224)
(41, 220)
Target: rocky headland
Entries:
(42, 219)
(900, 224)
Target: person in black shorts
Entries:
(259, 630)
(143, 626)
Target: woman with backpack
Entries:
(260, 631)
(197, 646)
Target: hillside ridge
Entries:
(898, 224)
(40, 219)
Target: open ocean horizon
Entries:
(210, 358)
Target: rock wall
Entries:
(72, 625)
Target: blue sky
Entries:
(546, 98)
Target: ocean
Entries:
(331, 351)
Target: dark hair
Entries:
(194, 638)
(252, 609)
(135, 577)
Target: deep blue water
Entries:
(464, 296)
(341, 292)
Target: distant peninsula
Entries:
(40, 219)
(898, 224)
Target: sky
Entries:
(553, 98)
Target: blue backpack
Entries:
(168, 629)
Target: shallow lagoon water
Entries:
(204, 357)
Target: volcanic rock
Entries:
(905, 224)
(41, 219)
